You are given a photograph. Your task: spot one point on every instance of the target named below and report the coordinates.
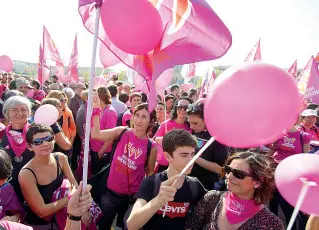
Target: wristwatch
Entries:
(75, 218)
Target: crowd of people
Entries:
(134, 161)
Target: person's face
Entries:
(141, 120)
(160, 112)
(176, 93)
(80, 88)
(19, 114)
(310, 120)
(194, 98)
(59, 108)
(6, 78)
(127, 89)
(135, 102)
(181, 109)
(241, 187)
(23, 89)
(62, 100)
(42, 143)
(169, 104)
(181, 157)
(197, 124)
(119, 89)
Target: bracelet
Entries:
(96, 111)
(75, 218)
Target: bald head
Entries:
(79, 88)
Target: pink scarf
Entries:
(238, 210)
(17, 140)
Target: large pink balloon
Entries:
(163, 81)
(46, 114)
(289, 174)
(6, 63)
(133, 26)
(99, 81)
(251, 105)
(107, 58)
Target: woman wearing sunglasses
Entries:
(178, 121)
(250, 181)
(16, 110)
(43, 175)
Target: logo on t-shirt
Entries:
(174, 209)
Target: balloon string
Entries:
(209, 142)
(304, 189)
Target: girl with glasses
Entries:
(250, 183)
(42, 176)
(178, 121)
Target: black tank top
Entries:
(46, 192)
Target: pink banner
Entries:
(255, 53)
(43, 74)
(293, 69)
(73, 72)
(210, 82)
(308, 83)
(180, 43)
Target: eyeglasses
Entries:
(239, 174)
(63, 100)
(184, 107)
(39, 141)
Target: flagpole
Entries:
(89, 107)
(42, 61)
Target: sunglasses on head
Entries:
(184, 107)
(39, 141)
(239, 174)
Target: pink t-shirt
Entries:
(9, 200)
(39, 95)
(312, 132)
(126, 178)
(126, 117)
(171, 124)
(108, 120)
(290, 144)
(8, 225)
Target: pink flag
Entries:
(73, 65)
(191, 71)
(210, 82)
(308, 83)
(43, 74)
(51, 52)
(293, 69)
(317, 58)
(180, 43)
(255, 53)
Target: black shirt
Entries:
(56, 128)
(177, 210)
(216, 152)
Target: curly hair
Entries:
(263, 170)
(5, 165)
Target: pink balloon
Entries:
(107, 58)
(30, 93)
(135, 27)
(46, 114)
(6, 63)
(99, 81)
(163, 81)
(288, 175)
(201, 100)
(248, 105)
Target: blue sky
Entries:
(289, 29)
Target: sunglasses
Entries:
(239, 174)
(184, 107)
(39, 141)
(63, 100)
